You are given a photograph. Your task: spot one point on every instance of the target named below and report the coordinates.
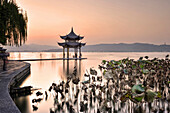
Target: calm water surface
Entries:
(43, 73)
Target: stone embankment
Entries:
(16, 72)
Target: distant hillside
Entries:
(122, 47)
(30, 48)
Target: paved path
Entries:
(13, 69)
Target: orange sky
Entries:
(100, 21)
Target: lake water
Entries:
(44, 73)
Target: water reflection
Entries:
(23, 104)
(79, 67)
(44, 73)
(19, 56)
(70, 66)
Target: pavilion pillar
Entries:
(63, 52)
(80, 52)
(75, 50)
(67, 52)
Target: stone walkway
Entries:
(11, 65)
(14, 68)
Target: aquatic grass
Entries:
(124, 86)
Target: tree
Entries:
(13, 23)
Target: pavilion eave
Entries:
(71, 44)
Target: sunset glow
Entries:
(100, 21)
(88, 56)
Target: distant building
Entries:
(72, 41)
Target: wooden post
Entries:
(4, 63)
(68, 53)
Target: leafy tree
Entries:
(13, 23)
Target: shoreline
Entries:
(16, 72)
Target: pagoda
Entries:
(72, 41)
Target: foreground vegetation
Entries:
(126, 86)
(13, 23)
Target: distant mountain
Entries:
(30, 48)
(121, 47)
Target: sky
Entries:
(99, 21)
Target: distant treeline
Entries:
(136, 47)
(121, 47)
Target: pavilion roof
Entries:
(72, 36)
